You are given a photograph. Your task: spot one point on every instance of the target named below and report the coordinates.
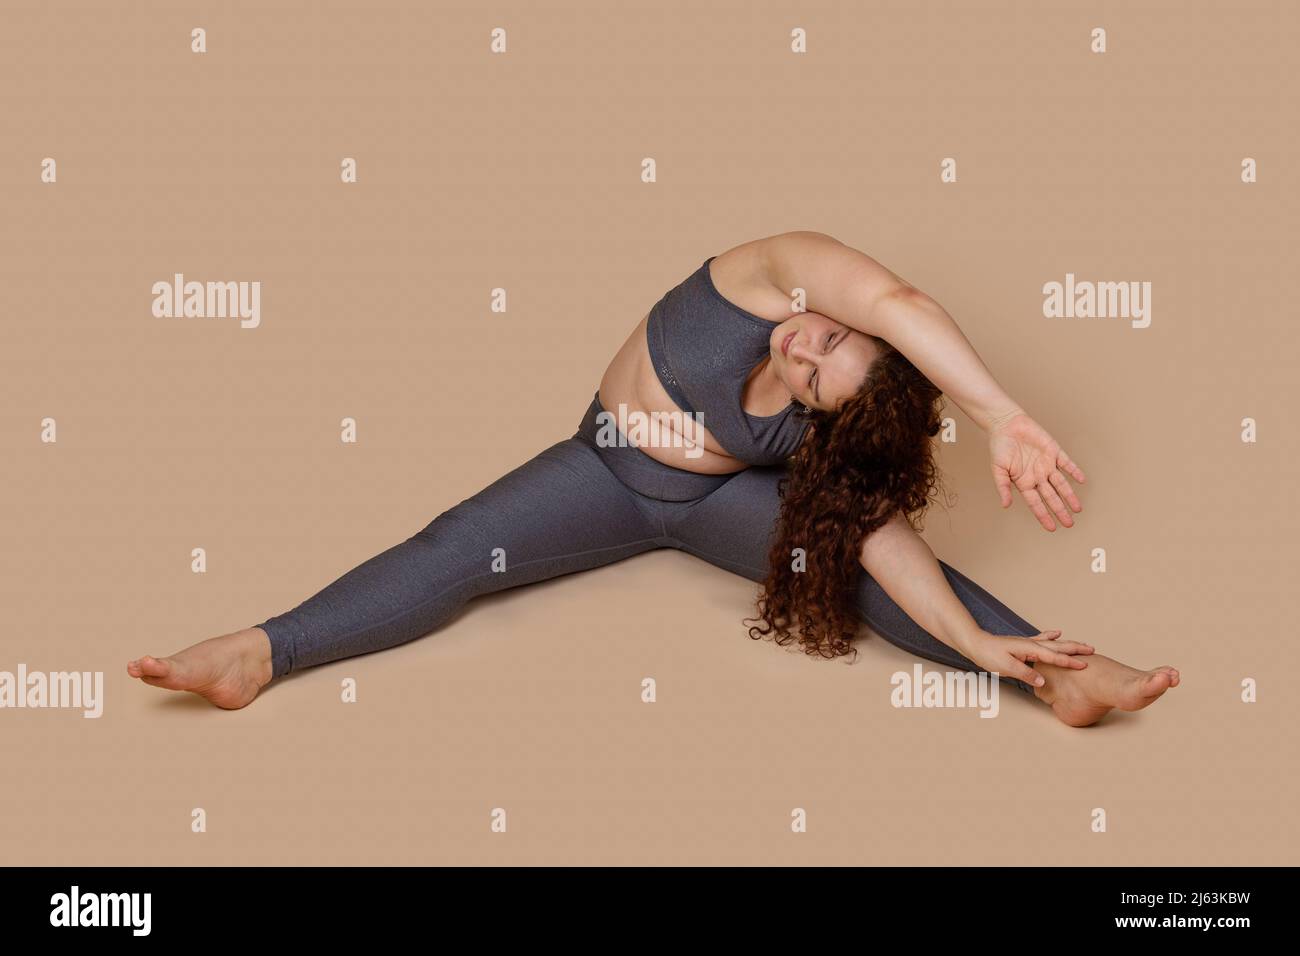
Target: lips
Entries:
(785, 343)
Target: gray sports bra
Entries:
(704, 347)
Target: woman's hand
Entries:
(1024, 454)
(1010, 656)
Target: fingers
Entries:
(1036, 506)
(1054, 500)
(1060, 660)
(1063, 647)
(1066, 464)
(1060, 653)
(1043, 494)
(1073, 647)
(1021, 670)
(1003, 482)
(1062, 485)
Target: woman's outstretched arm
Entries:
(854, 289)
(905, 567)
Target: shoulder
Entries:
(750, 263)
(802, 258)
(745, 274)
(833, 278)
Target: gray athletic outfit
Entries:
(585, 502)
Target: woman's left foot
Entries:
(228, 671)
(1083, 697)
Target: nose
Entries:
(799, 351)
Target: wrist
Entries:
(967, 640)
(997, 421)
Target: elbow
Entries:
(900, 293)
(879, 545)
(815, 233)
(898, 302)
(809, 234)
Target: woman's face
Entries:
(821, 361)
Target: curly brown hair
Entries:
(858, 465)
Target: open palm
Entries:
(1025, 455)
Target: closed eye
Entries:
(812, 379)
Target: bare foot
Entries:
(1083, 697)
(228, 671)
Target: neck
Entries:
(764, 392)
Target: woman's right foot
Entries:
(1083, 697)
(228, 671)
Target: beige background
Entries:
(522, 171)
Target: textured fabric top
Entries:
(703, 347)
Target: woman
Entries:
(791, 388)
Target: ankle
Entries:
(1053, 680)
(256, 653)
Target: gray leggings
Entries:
(578, 505)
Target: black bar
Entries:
(332, 904)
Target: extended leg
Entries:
(561, 512)
(733, 528)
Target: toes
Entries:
(154, 667)
(1155, 683)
